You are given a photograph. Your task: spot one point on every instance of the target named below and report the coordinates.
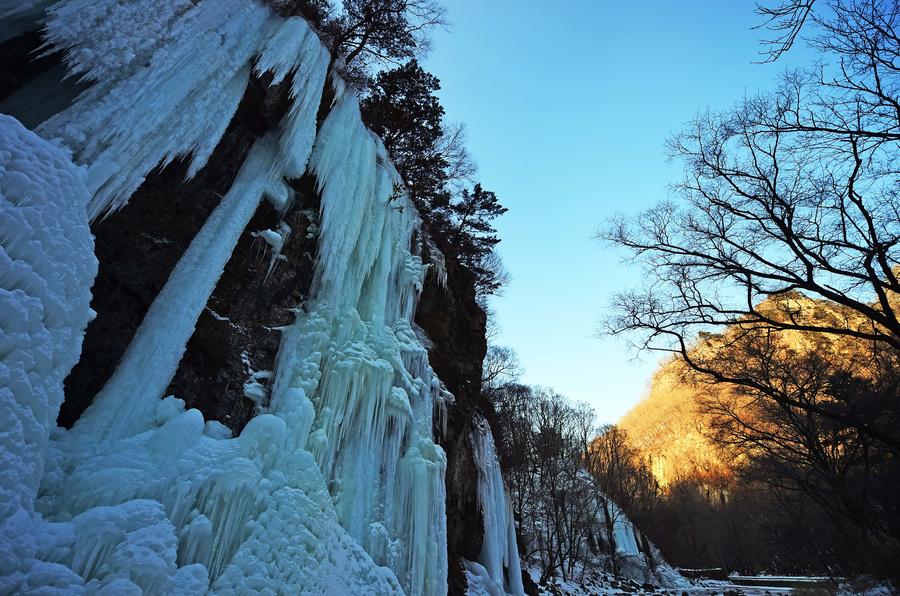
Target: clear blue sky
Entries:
(568, 105)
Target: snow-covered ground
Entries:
(595, 582)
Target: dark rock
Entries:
(21, 61)
(455, 324)
(237, 333)
(531, 588)
(138, 246)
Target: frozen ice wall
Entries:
(497, 570)
(47, 266)
(352, 376)
(623, 532)
(336, 486)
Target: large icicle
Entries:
(351, 372)
(168, 75)
(127, 402)
(499, 551)
(623, 531)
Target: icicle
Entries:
(436, 262)
(623, 532)
(127, 402)
(275, 239)
(336, 485)
(351, 371)
(188, 62)
(499, 550)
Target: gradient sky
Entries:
(568, 106)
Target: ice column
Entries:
(352, 376)
(128, 401)
(499, 550)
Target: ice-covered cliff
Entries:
(333, 481)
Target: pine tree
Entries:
(473, 238)
(404, 111)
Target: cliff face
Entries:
(455, 324)
(672, 426)
(304, 397)
(139, 246)
(668, 430)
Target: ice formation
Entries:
(351, 376)
(47, 267)
(623, 530)
(498, 569)
(336, 486)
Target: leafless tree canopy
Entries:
(772, 274)
(385, 31)
(451, 147)
(501, 366)
(794, 191)
(785, 21)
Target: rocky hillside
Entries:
(670, 428)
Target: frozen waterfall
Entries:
(336, 486)
(498, 569)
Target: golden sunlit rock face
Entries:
(671, 428)
(667, 429)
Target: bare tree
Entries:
(543, 459)
(384, 31)
(786, 20)
(792, 194)
(501, 367)
(461, 167)
(491, 276)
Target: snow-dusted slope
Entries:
(336, 486)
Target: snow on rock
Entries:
(47, 267)
(498, 570)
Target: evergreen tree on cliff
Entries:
(404, 111)
(474, 237)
